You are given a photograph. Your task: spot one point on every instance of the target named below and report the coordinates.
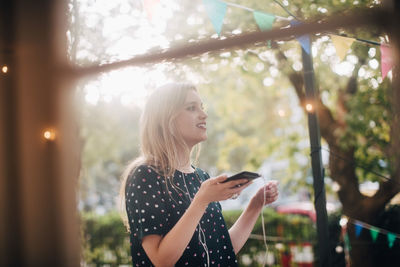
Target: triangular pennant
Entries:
(304, 40)
(374, 233)
(391, 238)
(386, 60)
(342, 45)
(347, 241)
(216, 11)
(263, 20)
(150, 7)
(358, 228)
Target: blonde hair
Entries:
(160, 140)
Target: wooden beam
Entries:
(368, 17)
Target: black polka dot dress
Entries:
(154, 206)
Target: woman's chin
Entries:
(202, 139)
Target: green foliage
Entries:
(286, 228)
(110, 139)
(291, 227)
(243, 90)
(105, 239)
(369, 128)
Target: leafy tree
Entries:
(359, 127)
(109, 140)
(245, 89)
(357, 120)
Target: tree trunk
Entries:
(342, 168)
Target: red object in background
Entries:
(302, 208)
(285, 259)
(302, 254)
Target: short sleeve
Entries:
(145, 203)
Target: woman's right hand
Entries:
(214, 189)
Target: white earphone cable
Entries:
(202, 236)
(262, 222)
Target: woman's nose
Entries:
(203, 114)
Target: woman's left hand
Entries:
(271, 194)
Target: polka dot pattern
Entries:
(154, 206)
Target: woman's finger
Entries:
(238, 189)
(236, 183)
(220, 178)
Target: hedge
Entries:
(105, 241)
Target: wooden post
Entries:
(10, 223)
(40, 223)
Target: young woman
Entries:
(172, 207)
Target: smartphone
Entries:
(243, 175)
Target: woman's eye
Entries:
(191, 108)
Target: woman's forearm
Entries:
(171, 247)
(241, 229)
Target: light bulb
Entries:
(281, 113)
(343, 221)
(309, 107)
(4, 69)
(49, 134)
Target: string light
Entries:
(339, 249)
(309, 107)
(281, 113)
(4, 69)
(49, 134)
(335, 187)
(343, 221)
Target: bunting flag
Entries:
(304, 40)
(150, 7)
(391, 238)
(342, 45)
(374, 233)
(216, 11)
(358, 228)
(386, 60)
(263, 20)
(347, 241)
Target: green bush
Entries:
(105, 241)
(280, 230)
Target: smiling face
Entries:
(191, 120)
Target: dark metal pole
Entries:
(316, 161)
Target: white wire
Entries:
(202, 236)
(262, 223)
(204, 244)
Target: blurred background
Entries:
(257, 121)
